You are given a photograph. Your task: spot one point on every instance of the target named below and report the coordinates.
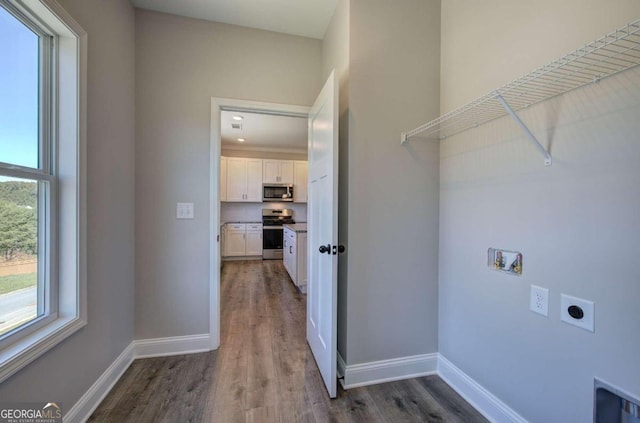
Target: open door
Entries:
(322, 235)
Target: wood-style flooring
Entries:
(265, 372)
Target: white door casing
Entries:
(323, 231)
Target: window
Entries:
(26, 178)
(42, 265)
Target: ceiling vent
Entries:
(236, 125)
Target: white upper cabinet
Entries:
(271, 171)
(277, 172)
(286, 171)
(241, 179)
(223, 179)
(254, 180)
(244, 179)
(300, 181)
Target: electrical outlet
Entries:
(539, 301)
(577, 312)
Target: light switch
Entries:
(184, 211)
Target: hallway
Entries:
(264, 371)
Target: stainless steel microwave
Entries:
(277, 192)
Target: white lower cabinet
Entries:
(254, 240)
(243, 239)
(295, 257)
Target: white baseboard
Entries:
(87, 404)
(141, 348)
(164, 347)
(482, 400)
(374, 372)
(353, 376)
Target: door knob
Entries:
(338, 249)
(325, 249)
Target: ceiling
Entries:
(264, 132)
(307, 18)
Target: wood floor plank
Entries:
(264, 371)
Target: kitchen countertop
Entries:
(297, 227)
(235, 221)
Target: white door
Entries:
(323, 232)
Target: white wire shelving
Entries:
(604, 57)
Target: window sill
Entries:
(19, 354)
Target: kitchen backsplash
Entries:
(252, 212)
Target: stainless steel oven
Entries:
(272, 239)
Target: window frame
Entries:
(45, 177)
(61, 169)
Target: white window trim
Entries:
(69, 133)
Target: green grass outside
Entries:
(11, 283)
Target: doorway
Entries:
(219, 108)
(322, 185)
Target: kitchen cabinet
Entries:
(235, 239)
(223, 179)
(295, 255)
(243, 239)
(277, 172)
(300, 181)
(254, 240)
(244, 180)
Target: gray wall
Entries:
(335, 56)
(67, 371)
(180, 64)
(576, 222)
(392, 223)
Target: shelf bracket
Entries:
(403, 137)
(512, 113)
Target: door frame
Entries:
(218, 105)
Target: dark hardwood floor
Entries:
(264, 371)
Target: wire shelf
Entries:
(604, 57)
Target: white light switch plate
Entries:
(184, 211)
(539, 301)
(588, 308)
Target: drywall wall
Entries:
(394, 69)
(66, 372)
(576, 222)
(180, 64)
(335, 56)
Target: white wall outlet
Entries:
(539, 301)
(577, 312)
(184, 211)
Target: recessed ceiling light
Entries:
(241, 140)
(238, 117)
